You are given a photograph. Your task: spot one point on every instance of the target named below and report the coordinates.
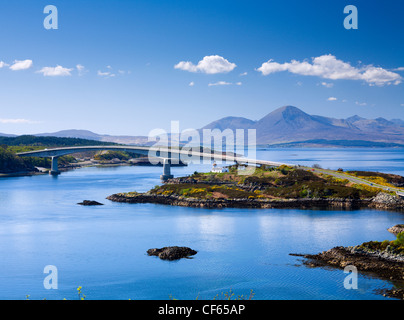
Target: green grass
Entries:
(395, 246)
(283, 182)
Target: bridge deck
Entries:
(156, 151)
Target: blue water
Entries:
(103, 248)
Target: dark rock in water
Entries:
(90, 203)
(172, 253)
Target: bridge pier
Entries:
(54, 167)
(166, 170)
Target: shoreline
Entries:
(73, 166)
(381, 264)
(307, 203)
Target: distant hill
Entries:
(27, 140)
(7, 135)
(288, 125)
(231, 123)
(85, 134)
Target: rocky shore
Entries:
(384, 201)
(396, 229)
(382, 264)
(175, 200)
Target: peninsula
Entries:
(276, 187)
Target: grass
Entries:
(395, 246)
(282, 182)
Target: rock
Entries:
(386, 198)
(90, 203)
(396, 229)
(172, 253)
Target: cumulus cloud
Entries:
(3, 64)
(329, 67)
(399, 69)
(332, 99)
(191, 84)
(209, 64)
(362, 104)
(57, 71)
(21, 65)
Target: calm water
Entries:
(103, 248)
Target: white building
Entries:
(217, 169)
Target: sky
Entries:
(128, 67)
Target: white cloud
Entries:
(105, 74)
(220, 83)
(329, 67)
(243, 74)
(16, 121)
(362, 104)
(3, 64)
(21, 65)
(224, 83)
(191, 84)
(399, 69)
(57, 71)
(81, 69)
(209, 64)
(327, 84)
(332, 99)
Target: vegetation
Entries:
(9, 162)
(109, 155)
(282, 182)
(385, 179)
(395, 246)
(9, 146)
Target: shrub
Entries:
(400, 239)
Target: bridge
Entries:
(165, 154)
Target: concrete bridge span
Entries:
(167, 156)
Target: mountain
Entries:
(290, 124)
(89, 135)
(231, 123)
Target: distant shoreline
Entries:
(78, 165)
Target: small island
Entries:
(272, 187)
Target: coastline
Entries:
(381, 264)
(78, 165)
(307, 203)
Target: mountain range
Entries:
(286, 126)
(290, 125)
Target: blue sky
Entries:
(139, 68)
